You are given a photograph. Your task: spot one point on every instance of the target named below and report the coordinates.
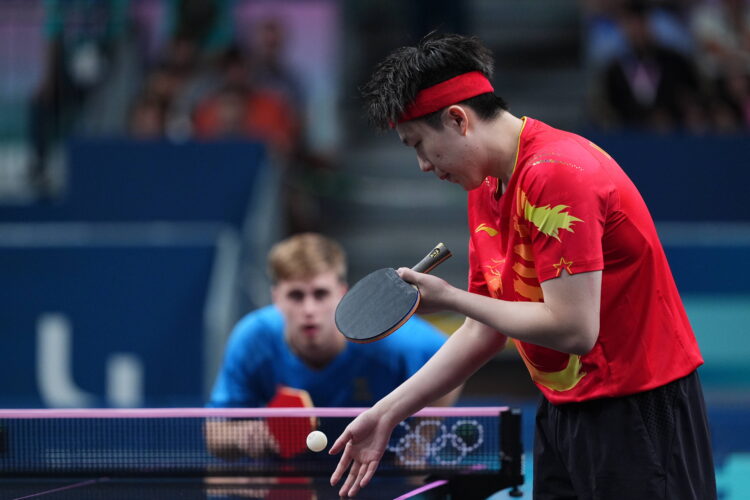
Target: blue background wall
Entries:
(131, 252)
(126, 260)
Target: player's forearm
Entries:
(448, 399)
(535, 322)
(462, 354)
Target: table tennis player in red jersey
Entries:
(564, 260)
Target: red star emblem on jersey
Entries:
(563, 264)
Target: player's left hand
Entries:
(363, 441)
(434, 292)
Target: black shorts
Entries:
(653, 445)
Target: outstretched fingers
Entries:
(340, 442)
(363, 443)
(345, 459)
(359, 476)
(351, 485)
(369, 472)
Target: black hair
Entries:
(436, 58)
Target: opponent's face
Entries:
(308, 307)
(451, 152)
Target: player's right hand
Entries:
(434, 292)
(364, 441)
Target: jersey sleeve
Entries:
(241, 379)
(563, 203)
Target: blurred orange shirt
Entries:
(262, 115)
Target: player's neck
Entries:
(502, 140)
(320, 356)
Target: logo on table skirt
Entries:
(419, 441)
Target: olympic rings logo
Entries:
(431, 439)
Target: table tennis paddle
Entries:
(378, 304)
(291, 432)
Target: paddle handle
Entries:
(436, 256)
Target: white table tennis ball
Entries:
(316, 441)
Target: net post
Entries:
(511, 449)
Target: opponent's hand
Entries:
(255, 440)
(364, 441)
(433, 291)
(232, 440)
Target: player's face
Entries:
(449, 152)
(308, 307)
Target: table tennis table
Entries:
(463, 453)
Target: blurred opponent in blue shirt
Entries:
(295, 343)
(258, 359)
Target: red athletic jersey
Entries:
(570, 206)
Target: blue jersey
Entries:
(257, 360)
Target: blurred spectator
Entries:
(162, 86)
(147, 118)
(239, 109)
(164, 83)
(197, 31)
(722, 29)
(204, 22)
(212, 84)
(650, 85)
(309, 170)
(667, 22)
(269, 69)
(81, 36)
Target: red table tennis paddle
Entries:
(381, 302)
(291, 432)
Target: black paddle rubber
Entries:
(381, 302)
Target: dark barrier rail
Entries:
(686, 177)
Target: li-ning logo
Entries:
(484, 227)
(435, 253)
(431, 439)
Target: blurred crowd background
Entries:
(286, 73)
(152, 150)
(669, 65)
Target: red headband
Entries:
(457, 89)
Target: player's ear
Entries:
(455, 117)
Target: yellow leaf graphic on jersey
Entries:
(560, 381)
(549, 220)
(484, 227)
